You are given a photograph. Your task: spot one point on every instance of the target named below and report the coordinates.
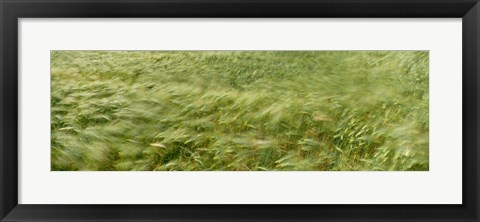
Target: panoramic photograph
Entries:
(239, 110)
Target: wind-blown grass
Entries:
(239, 110)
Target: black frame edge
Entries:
(471, 104)
(240, 8)
(8, 113)
(10, 11)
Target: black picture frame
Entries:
(12, 10)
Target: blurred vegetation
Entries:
(239, 110)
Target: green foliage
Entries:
(239, 110)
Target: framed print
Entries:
(227, 110)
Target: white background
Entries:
(441, 185)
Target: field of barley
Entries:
(239, 110)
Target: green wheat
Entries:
(239, 110)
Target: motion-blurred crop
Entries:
(239, 110)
